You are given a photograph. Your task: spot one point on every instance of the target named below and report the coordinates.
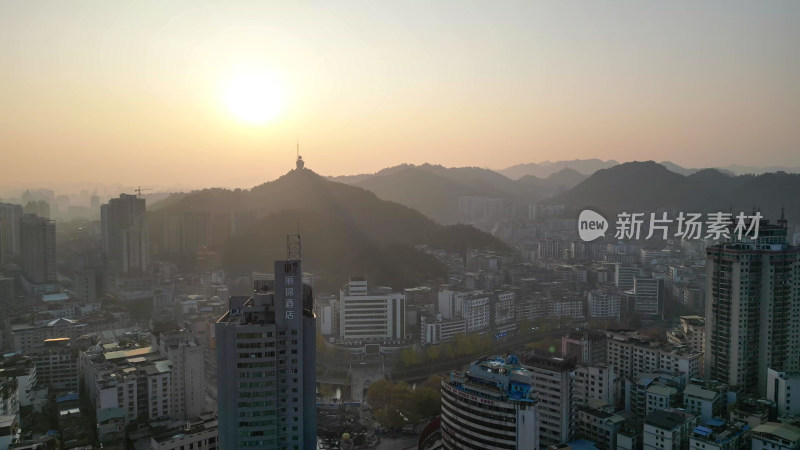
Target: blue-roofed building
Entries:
(718, 434)
(490, 406)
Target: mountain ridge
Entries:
(337, 221)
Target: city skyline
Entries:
(126, 95)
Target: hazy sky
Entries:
(133, 92)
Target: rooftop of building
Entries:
(719, 431)
(104, 415)
(752, 405)
(14, 363)
(578, 444)
(696, 321)
(635, 338)
(700, 392)
(200, 424)
(496, 377)
(114, 365)
(550, 362)
(660, 389)
(781, 431)
(666, 420)
(7, 421)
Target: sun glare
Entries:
(254, 98)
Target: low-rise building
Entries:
(718, 434)
(144, 381)
(667, 429)
(599, 426)
(435, 330)
(9, 430)
(706, 402)
(26, 337)
(57, 365)
(780, 386)
(751, 411)
(23, 370)
(775, 436)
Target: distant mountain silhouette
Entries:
(686, 171)
(346, 230)
(635, 185)
(547, 168)
(755, 170)
(647, 186)
(434, 190)
(430, 192)
(556, 182)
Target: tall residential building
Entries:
(624, 276)
(502, 311)
(595, 383)
(38, 247)
(86, 282)
(476, 310)
(649, 296)
(588, 347)
(266, 359)
(752, 309)
(418, 296)
(490, 406)
(632, 354)
(10, 217)
(135, 253)
(39, 208)
(370, 316)
(187, 398)
(603, 304)
(124, 229)
(552, 383)
(449, 302)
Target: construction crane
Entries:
(139, 190)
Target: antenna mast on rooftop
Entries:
(294, 245)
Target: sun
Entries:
(254, 98)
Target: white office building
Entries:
(370, 316)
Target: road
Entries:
(361, 377)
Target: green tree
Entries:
(447, 351)
(391, 403)
(427, 402)
(462, 345)
(432, 353)
(409, 358)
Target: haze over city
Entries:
(171, 93)
(380, 225)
